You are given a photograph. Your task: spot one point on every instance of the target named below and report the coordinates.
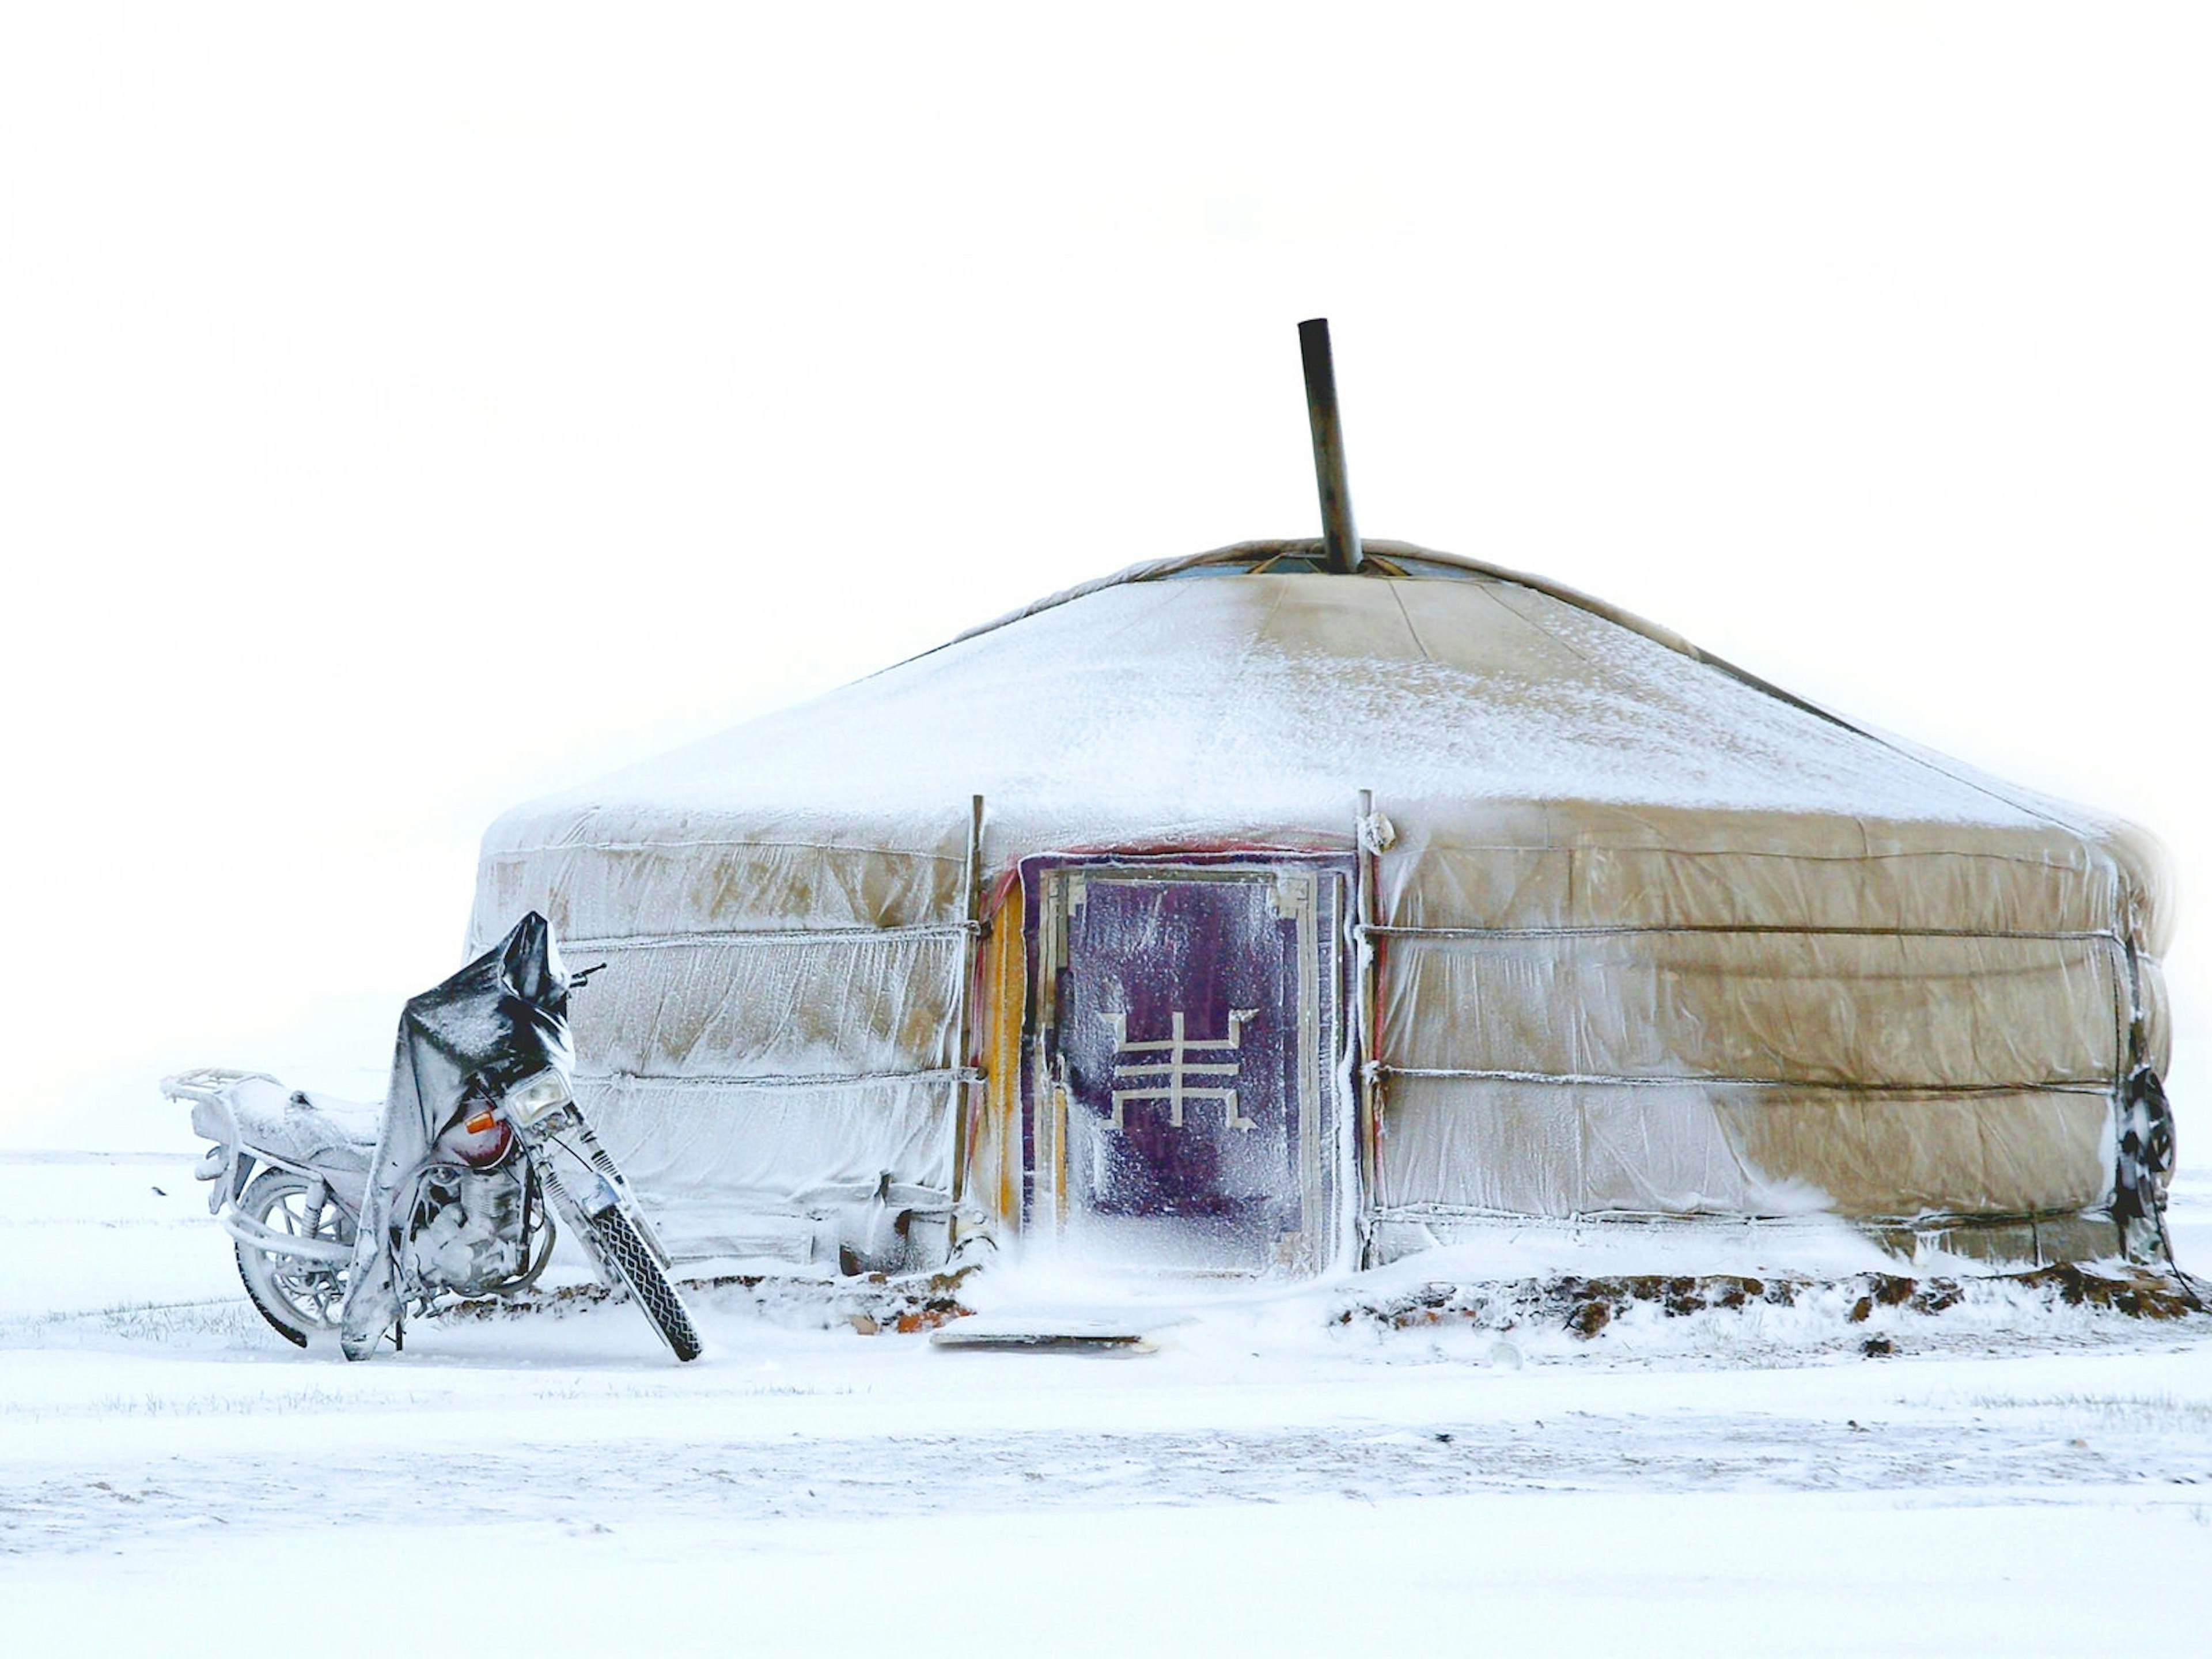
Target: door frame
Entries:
(1314, 890)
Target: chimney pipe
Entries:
(1339, 537)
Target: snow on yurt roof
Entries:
(1241, 691)
(1245, 696)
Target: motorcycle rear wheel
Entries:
(300, 1299)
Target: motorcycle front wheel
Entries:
(300, 1298)
(618, 1247)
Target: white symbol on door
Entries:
(1169, 1078)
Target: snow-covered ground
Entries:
(175, 1480)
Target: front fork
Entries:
(581, 1177)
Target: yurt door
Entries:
(1185, 1111)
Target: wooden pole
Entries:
(964, 1086)
(1368, 1017)
(1339, 536)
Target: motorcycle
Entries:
(345, 1215)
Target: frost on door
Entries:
(1183, 1109)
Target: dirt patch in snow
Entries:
(869, 1304)
(1584, 1307)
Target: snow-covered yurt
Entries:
(1275, 907)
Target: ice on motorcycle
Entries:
(344, 1216)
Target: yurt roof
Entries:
(1242, 691)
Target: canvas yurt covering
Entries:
(1623, 932)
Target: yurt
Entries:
(1301, 904)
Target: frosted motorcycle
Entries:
(346, 1216)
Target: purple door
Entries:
(1192, 1014)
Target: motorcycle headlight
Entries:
(536, 1096)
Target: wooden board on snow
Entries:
(975, 1336)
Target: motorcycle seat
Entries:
(320, 1131)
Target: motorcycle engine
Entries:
(466, 1233)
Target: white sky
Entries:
(597, 378)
